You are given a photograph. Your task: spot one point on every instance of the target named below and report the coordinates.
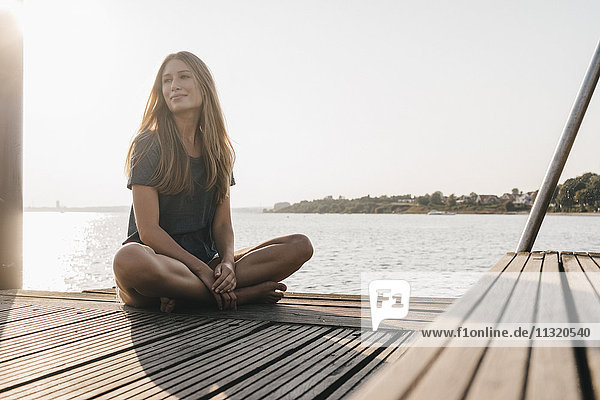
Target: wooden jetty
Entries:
(87, 345)
(531, 287)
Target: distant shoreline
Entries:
(457, 213)
(260, 209)
(110, 209)
(78, 209)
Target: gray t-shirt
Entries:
(188, 220)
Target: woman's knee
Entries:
(134, 262)
(302, 247)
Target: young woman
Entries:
(180, 238)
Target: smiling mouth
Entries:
(177, 97)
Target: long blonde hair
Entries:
(173, 174)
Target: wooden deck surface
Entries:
(524, 287)
(87, 345)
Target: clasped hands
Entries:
(221, 285)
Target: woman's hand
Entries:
(224, 278)
(225, 300)
(229, 300)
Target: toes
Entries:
(166, 304)
(281, 287)
(274, 297)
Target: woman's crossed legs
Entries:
(143, 276)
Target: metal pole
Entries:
(11, 152)
(540, 206)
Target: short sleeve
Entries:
(232, 179)
(144, 167)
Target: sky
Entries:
(321, 98)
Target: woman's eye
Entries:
(185, 76)
(167, 80)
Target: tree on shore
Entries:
(452, 200)
(437, 198)
(579, 194)
(424, 200)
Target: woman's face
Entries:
(180, 88)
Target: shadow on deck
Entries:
(88, 345)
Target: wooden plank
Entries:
(100, 376)
(100, 373)
(252, 362)
(590, 265)
(364, 304)
(329, 344)
(582, 274)
(342, 368)
(220, 365)
(413, 315)
(24, 368)
(283, 314)
(416, 304)
(69, 361)
(47, 322)
(328, 296)
(501, 374)
(6, 306)
(110, 291)
(389, 355)
(443, 379)
(336, 300)
(505, 261)
(401, 377)
(59, 336)
(552, 371)
(34, 366)
(272, 312)
(57, 295)
(319, 298)
(341, 351)
(399, 352)
(286, 367)
(42, 301)
(298, 299)
(12, 315)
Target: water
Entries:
(440, 256)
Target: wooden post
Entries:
(11, 152)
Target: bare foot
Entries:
(167, 305)
(265, 292)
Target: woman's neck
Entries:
(187, 126)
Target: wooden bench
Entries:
(524, 287)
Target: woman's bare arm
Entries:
(145, 206)
(222, 232)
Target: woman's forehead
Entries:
(175, 66)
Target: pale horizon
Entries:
(320, 98)
(335, 197)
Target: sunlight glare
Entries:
(16, 9)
